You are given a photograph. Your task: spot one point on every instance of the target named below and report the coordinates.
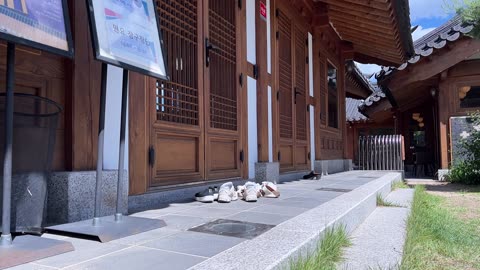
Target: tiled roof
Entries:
(355, 71)
(353, 114)
(373, 98)
(428, 44)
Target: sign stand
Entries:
(27, 248)
(105, 229)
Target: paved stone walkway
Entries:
(174, 247)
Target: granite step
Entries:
(378, 242)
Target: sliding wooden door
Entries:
(223, 123)
(293, 143)
(195, 132)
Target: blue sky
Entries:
(427, 14)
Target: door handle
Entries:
(295, 92)
(209, 47)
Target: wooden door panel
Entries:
(178, 160)
(301, 157)
(301, 119)
(286, 160)
(176, 127)
(223, 125)
(286, 96)
(222, 158)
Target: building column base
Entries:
(267, 171)
(443, 174)
(326, 167)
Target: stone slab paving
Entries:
(378, 242)
(174, 247)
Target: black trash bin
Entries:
(34, 133)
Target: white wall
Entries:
(252, 127)
(269, 40)
(112, 120)
(251, 52)
(270, 126)
(312, 108)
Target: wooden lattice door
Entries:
(177, 133)
(292, 98)
(195, 132)
(300, 100)
(222, 95)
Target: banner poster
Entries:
(127, 35)
(38, 23)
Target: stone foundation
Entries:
(326, 167)
(267, 171)
(71, 196)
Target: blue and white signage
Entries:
(126, 34)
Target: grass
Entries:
(399, 185)
(382, 202)
(328, 253)
(437, 238)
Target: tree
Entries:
(469, 10)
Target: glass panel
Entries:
(469, 96)
(332, 97)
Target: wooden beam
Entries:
(363, 58)
(342, 6)
(367, 16)
(347, 51)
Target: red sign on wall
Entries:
(263, 11)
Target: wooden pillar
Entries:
(443, 125)
(82, 95)
(139, 109)
(262, 83)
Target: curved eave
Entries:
(426, 46)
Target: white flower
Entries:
(477, 128)
(464, 135)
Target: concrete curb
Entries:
(300, 235)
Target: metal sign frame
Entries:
(121, 64)
(37, 45)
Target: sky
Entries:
(428, 15)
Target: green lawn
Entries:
(443, 231)
(329, 252)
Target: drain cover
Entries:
(369, 177)
(233, 228)
(335, 189)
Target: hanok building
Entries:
(257, 91)
(428, 94)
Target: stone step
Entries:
(378, 242)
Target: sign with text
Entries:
(40, 24)
(126, 34)
(263, 11)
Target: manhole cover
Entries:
(335, 189)
(233, 228)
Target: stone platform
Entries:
(293, 224)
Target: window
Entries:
(332, 97)
(469, 96)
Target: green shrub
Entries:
(467, 171)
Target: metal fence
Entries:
(381, 152)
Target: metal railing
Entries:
(381, 153)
